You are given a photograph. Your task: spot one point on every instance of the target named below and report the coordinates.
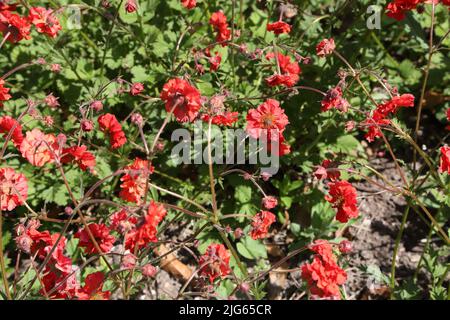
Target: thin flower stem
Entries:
(4, 39)
(396, 247)
(108, 38)
(425, 80)
(2, 260)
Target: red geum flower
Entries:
(79, 154)
(45, 21)
(397, 8)
(122, 222)
(267, 117)
(134, 181)
(261, 223)
(405, 100)
(13, 189)
(215, 262)
(130, 6)
(334, 99)
(62, 284)
(136, 88)
(108, 123)
(325, 47)
(146, 231)
(219, 21)
(189, 4)
(93, 288)
(14, 26)
(39, 148)
(279, 27)
(269, 202)
(225, 119)
(375, 123)
(323, 278)
(290, 71)
(4, 95)
(183, 98)
(6, 125)
(102, 236)
(324, 249)
(445, 160)
(342, 195)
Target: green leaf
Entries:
(251, 249)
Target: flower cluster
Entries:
(15, 27)
(289, 71)
(59, 279)
(323, 275)
(134, 182)
(215, 262)
(145, 231)
(397, 9)
(219, 21)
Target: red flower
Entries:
(375, 123)
(136, 88)
(215, 262)
(225, 119)
(83, 158)
(325, 47)
(445, 160)
(55, 280)
(268, 116)
(39, 148)
(130, 6)
(219, 21)
(334, 99)
(397, 9)
(279, 27)
(102, 236)
(134, 181)
(122, 222)
(13, 189)
(405, 100)
(290, 71)
(261, 224)
(269, 202)
(6, 125)
(179, 94)
(45, 21)
(189, 4)
(324, 249)
(109, 123)
(146, 231)
(16, 27)
(323, 278)
(93, 286)
(342, 196)
(4, 95)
